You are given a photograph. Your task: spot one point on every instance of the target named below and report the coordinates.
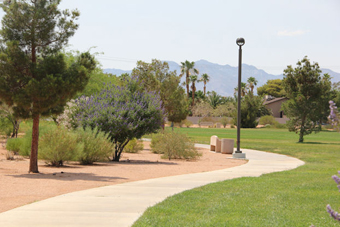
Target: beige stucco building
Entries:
(275, 106)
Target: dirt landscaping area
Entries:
(18, 188)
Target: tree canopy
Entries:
(306, 91)
(155, 76)
(272, 87)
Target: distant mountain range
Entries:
(223, 78)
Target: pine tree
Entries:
(34, 76)
(307, 92)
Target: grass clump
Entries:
(133, 146)
(174, 146)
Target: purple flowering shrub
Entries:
(333, 213)
(334, 115)
(123, 113)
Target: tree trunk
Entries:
(34, 149)
(118, 150)
(301, 136)
(193, 94)
(302, 130)
(15, 129)
(187, 81)
(204, 87)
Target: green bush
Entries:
(26, 144)
(96, 146)
(187, 123)
(26, 140)
(155, 139)
(6, 126)
(175, 146)
(59, 145)
(14, 144)
(224, 121)
(278, 125)
(133, 146)
(267, 120)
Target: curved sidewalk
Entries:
(122, 204)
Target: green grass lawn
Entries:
(291, 198)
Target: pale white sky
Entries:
(277, 32)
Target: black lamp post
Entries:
(238, 153)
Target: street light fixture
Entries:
(238, 153)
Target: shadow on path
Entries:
(65, 176)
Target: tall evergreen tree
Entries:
(34, 76)
(306, 91)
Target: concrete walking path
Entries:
(122, 204)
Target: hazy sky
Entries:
(277, 32)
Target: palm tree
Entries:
(243, 89)
(205, 78)
(187, 68)
(193, 79)
(252, 82)
(214, 99)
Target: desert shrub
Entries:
(175, 146)
(224, 121)
(268, 119)
(133, 146)
(187, 123)
(26, 140)
(232, 126)
(207, 119)
(96, 146)
(268, 126)
(278, 125)
(155, 139)
(6, 126)
(59, 145)
(178, 124)
(14, 144)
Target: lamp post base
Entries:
(239, 155)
